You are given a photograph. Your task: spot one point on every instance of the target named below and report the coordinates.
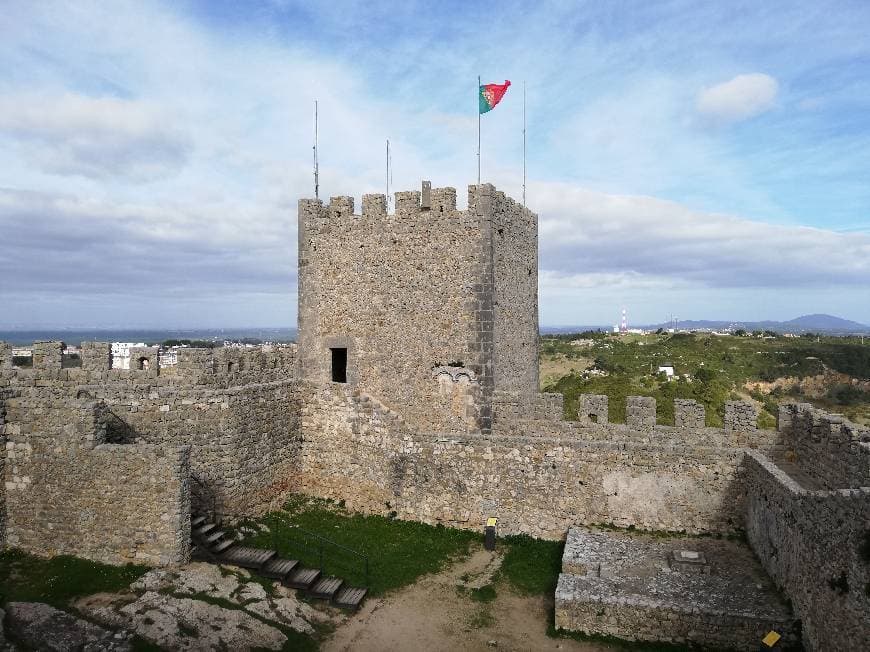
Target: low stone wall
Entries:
(652, 619)
(67, 492)
(638, 587)
(219, 367)
(538, 486)
(244, 441)
(509, 407)
(832, 451)
(816, 546)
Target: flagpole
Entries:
(524, 142)
(316, 166)
(388, 174)
(478, 130)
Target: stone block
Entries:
(740, 416)
(640, 412)
(374, 206)
(592, 409)
(339, 207)
(47, 356)
(688, 414)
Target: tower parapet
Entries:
(386, 298)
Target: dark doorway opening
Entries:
(339, 365)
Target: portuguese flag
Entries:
(491, 94)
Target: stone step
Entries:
(202, 530)
(196, 521)
(246, 557)
(214, 537)
(349, 597)
(279, 569)
(325, 588)
(222, 546)
(302, 578)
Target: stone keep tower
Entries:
(430, 310)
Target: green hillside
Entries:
(711, 369)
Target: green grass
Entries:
(531, 566)
(483, 594)
(399, 551)
(58, 580)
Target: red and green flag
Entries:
(491, 94)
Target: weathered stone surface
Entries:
(230, 584)
(640, 412)
(629, 587)
(196, 578)
(373, 283)
(815, 544)
(177, 623)
(688, 413)
(42, 627)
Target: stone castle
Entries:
(414, 390)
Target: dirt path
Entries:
(437, 613)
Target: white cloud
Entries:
(644, 242)
(94, 137)
(739, 98)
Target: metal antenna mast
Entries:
(478, 130)
(316, 165)
(389, 175)
(524, 142)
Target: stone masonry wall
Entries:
(397, 292)
(244, 437)
(539, 486)
(67, 492)
(515, 304)
(833, 452)
(816, 547)
(412, 293)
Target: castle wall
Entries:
(538, 485)
(68, 492)
(411, 293)
(243, 435)
(825, 447)
(816, 547)
(515, 306)
(396, 291)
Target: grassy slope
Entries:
(399, 551)
(719, 366)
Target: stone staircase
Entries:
(215, 546)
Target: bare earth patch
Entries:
(445, 611)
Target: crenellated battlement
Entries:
(828, 450)
(640, 413)
(223, 366)
(484, 201)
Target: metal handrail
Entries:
(320, 546)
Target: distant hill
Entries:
(818, 323)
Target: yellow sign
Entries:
(771, 639)
(491, 521)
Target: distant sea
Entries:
(146, 335)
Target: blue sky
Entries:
(707, 160)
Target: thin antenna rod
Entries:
(478, 130)
(524, 142)
(316, 164)
(388, 174)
